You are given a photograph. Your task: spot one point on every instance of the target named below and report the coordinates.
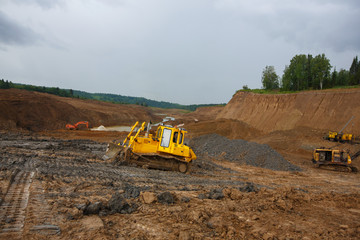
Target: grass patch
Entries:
(279, 91)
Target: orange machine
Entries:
(76, 125)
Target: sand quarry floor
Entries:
(55, 185)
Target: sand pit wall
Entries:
(328, 110)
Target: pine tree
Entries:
(354, 72)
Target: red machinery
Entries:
(76, 125)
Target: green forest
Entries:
(113, 98)
(306, 72)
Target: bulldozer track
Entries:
(153, 161)
(24, 208)
(337, 168)
(39, 217)
(13, 207)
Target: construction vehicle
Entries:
(333, 159)
(76, 125)
(340, 136)
(165, 150)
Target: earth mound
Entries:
(232, 129)
(21, 109)
(241, 151)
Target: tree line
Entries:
(306, 72)
(113, 98)
(51, 90)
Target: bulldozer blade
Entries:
(112, 151)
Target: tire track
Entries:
(39, 218)
(13, 207)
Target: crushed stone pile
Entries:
(241, 151)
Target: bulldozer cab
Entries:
(171, 140)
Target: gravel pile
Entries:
(241, 151)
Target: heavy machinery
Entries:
(340, 136)
(333, 159)
(76, 125)
(165, 150)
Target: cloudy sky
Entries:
(182, 51)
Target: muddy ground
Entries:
(58, 188)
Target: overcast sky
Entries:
(182, 51)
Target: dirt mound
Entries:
(21, 109)
(328, 110)
(206, 113)
(241, 151)
(232, 129)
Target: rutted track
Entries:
(79, 161)
(13, 207)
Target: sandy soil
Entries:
(21, 109)
(327, 110)
(54, 185)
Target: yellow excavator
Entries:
(333, 159)
(165, 150)
(342, 137)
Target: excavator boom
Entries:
(76, 125)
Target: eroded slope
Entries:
(328, 110)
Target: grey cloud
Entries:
(331, 26)
(42, 3)
(307, 24)
(12, 33)
(198, 51)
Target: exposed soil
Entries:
(21, 109)
(55, 185)
(327, 110)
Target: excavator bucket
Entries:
(112, 151)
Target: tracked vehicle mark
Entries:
(39, 218)
(13, 207)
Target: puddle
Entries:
(127, 128)
(112, 128)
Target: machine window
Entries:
(181, 137)
(175, 137)
(165, 140)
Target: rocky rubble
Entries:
(241, 151)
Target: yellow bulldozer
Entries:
(333, 159)
(164, 150)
